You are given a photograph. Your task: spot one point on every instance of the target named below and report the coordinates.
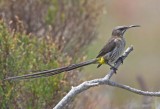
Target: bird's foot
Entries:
(114, 69)
(121, 59)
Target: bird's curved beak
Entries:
(131, 26)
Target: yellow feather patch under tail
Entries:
(101, 60)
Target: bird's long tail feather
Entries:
(51, 72)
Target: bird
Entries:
(109, 54)
(114, 47)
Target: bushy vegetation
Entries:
(38, 35)
(20, 53)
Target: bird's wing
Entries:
(107, 48)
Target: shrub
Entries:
(21, 52)
(38, 35)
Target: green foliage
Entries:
(52, 11)
(18, 54)
(43, 34)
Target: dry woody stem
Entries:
(103, 81)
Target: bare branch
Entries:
(134, 90)
(102, 81)
(88, 84)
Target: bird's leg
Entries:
(121, 59)
(112, 67)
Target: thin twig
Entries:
(134, 90)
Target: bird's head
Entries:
(120, 30)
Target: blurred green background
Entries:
(45, 34)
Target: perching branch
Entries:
(102, 81)
(134, 90)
